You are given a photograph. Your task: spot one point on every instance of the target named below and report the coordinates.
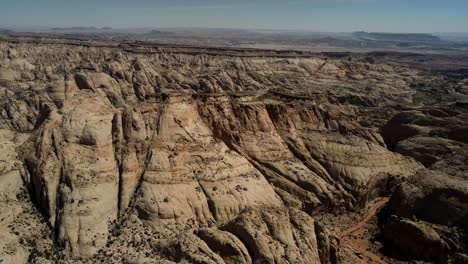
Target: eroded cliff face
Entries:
(205, 159)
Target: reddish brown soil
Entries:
(356, 237)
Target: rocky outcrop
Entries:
(312, 157)
(11, 173)
(415, 239)
(446, 196)
(272, 238)
(204, 159)
(71, 160)
(426, 217)
(434, 136)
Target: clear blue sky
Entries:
(313, 15)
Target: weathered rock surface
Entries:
(434, 136)
(435, 202)
(427, 217)
(415, 239)
(156, 157)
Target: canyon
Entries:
(118, 153)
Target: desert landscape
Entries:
(135, 151)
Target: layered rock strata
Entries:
(207, 159)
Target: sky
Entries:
(424, 16)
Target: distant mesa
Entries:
(160, 33)
(397, 37)
(5, 31)
(83, 29)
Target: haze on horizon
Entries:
(424, 16)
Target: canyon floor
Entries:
(117, 152)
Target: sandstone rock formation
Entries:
(427, 217)
(162, 157)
